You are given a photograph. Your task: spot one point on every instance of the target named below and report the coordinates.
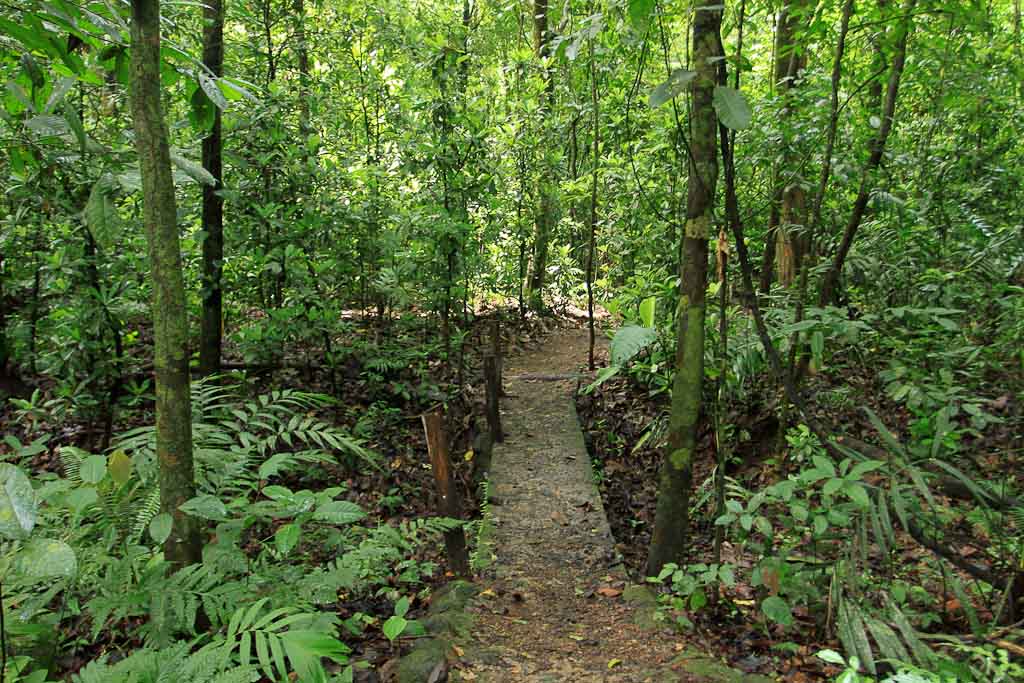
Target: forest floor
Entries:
(557, 604)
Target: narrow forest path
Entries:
(556, 605)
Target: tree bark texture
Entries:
(170, 318)
(544, 212)
(670, 537)
(211, 331)
(790, 240)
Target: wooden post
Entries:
(450, 506)
(493, 379)
(496, 350)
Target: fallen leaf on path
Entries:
(612, 663)
(609, 592)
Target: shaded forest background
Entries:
(244, 244)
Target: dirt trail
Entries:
(552, 607)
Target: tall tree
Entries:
(170, 317)
(4, 348)
(879, 59)
(544, 212)
(783, 247)
(830, 283)
(671, 524)
(213, 203)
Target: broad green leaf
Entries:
(862, 468)
(287, 537)
(193, 170)
(275, 492)
(832, 657)
(402, 606)
(629, 341)
(160, 527)
(832, 485)
(93, 469)
(640, 13)
(393, 627)
(202, 112)
(81, 498)
(777, 609)
(339, 512)
(205, 506)
(120, 467)
(44, 558)
(18, 506)
(647, 309)
(857, 494)
(212, 90)
(233, 90)
(603, 375)
(824, 464)
(676, 83)
(732, 107)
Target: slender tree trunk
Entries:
(5, 351)
(671, 526)
(211, 332)
(1018, 48)
(170, 317)
(830, 283)
(879, 60)
(544, 216)
(302, 57)
(592, 233)
(798, 371)
(789, 228)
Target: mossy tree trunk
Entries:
(788, 221)
(544, 212)
(670, 538)
(170, 317)
(211, 333)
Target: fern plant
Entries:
(280, 637)
(174, 664)
(233, 438)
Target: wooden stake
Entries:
(493, 378)
(496, 350)
(449, 506)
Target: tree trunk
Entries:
(211, 332)
(830, 283)
(170, 318)
(545, 209)
(5, 352)
(670, 536)
(879, 60)
(789, 231)
(592, 228)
